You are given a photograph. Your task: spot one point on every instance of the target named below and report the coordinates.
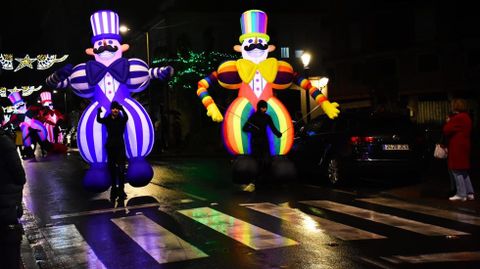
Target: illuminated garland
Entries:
(193, 66)
(26, 90)
(44, 61)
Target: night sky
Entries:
(63, 27)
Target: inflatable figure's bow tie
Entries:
(118, 69)
(247, 69)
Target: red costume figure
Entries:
(50, 117)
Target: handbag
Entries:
(440, 152)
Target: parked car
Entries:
(360, 144)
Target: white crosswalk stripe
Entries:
(399, 222)
(157, 241)
(427, 210)
(241, 231)
(435, 257)
(70, 248)
(299, 218)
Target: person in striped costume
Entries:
(108, 78)
(51, 118)
(256, 76)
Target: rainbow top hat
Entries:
(254, 24)
(105, 25)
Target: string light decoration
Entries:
(26, 90)
(192, 66)
(44, 61)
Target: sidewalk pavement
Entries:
(434, 190)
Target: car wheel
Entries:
(334, 172)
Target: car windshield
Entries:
(385, 123)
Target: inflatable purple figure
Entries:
(108, 78)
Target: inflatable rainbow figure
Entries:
(256, 77)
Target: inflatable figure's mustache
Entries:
(105, 48)
(255, 46)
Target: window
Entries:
(298, 54)
(285, 52)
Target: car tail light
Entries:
(354, 140)
(368, 139)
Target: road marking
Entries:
(158, 242)
(402, 223)
(70, 247)
(465, 256)
(241, 231)
(313, 223)
(101, 211)
(442, 213)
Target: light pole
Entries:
(124, 29)
(64, 100)
(306, 57)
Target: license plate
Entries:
(396, 147)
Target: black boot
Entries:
(113, 194)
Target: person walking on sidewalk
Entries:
(11, 191)
(115, 147)
(457, 130)
(257, 126)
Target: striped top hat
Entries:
(105, 25)
(15, 98)
(254, 24)
(46, 97)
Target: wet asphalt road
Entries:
(192, 216)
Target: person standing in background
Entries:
(11, 192)
(457, 131)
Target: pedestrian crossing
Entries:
(241, 231)
(398, 222)
(165, 246)
(158, 242)
(301, 219)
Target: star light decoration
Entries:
(24, 62)
(26, 90)
(44, 61)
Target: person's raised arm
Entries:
(125, 116)
(99, 117)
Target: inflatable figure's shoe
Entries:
(139, 172)
(97, 178)
(245, 169)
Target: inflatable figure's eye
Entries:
(99, 43)
(261, 41)
(110, 42)
(250, 40)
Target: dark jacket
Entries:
(257, 126)
(115, 129)
(11, 181)
(457, 132)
